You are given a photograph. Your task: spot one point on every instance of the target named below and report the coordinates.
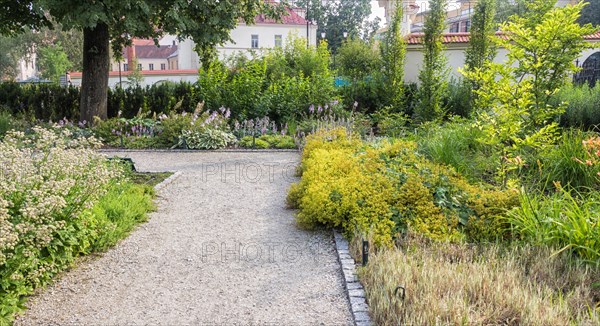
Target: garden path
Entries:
(220, 250)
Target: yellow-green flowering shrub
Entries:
(382, 188)
(48, 183)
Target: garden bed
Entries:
(462, 250)
(60, 199)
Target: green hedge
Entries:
(53, 102)
(41, 101)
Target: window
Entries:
(125, 67)
(468, 26)
(255, 41)
(151, 66)
(163, 66)
(455, 28)
(139, 66)
(278, 41)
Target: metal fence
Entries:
(590, 71)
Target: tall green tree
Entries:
(28, 43)
(542, 46)
(19, 16)
(483, 28)
(481, 43)
(393, 55)
(71, 41)
(334, 17)
(370, 28)
(103, 21)
(53, 62)
(357, 59)
(591, 13)
(135, 77)
(434, 72)
(9, 57)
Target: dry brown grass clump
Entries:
(457, 284)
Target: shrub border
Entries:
(354, 289)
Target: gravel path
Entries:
(221, 250)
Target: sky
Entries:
(376, 11)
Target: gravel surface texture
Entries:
(221, 250)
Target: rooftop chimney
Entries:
(130, 52)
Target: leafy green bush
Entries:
(6, 123)
(561, 220)
(50, 181)
(251, 142)
(268, 141)
(152, 100)
(210, 130)
(390, 124)
(383, 188)
(458, 98)
(456, 144)
(560, 165)
(582, 106)
(124, 206)
(40, 101)
(206, 139)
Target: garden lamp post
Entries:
(304, 12)
(345, 34)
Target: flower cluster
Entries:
(592, 147)
(259, 127)
(48, 182)
(323, 110)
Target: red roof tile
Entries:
(292, 18)
(417, 38)
(140, 41)
(456, 38)
(152, 51)
(595, 36)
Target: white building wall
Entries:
(242, 37)
(456, 60)
(409, 8)
(242, 41)
(148, 79)
(27, 67)
(156, 62)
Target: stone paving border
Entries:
(167, 181)
(354, 290)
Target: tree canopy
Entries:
(118, 21)
(590, 14)
(338, 16)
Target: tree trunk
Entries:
(96, 66)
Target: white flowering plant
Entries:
(209, 130)
(49, 181)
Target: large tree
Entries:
(481, 43)
(393, 53)
(591, 13)
(53, 62)
(9, 57)
(104, 21)
(434, 71)
(334, 17)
